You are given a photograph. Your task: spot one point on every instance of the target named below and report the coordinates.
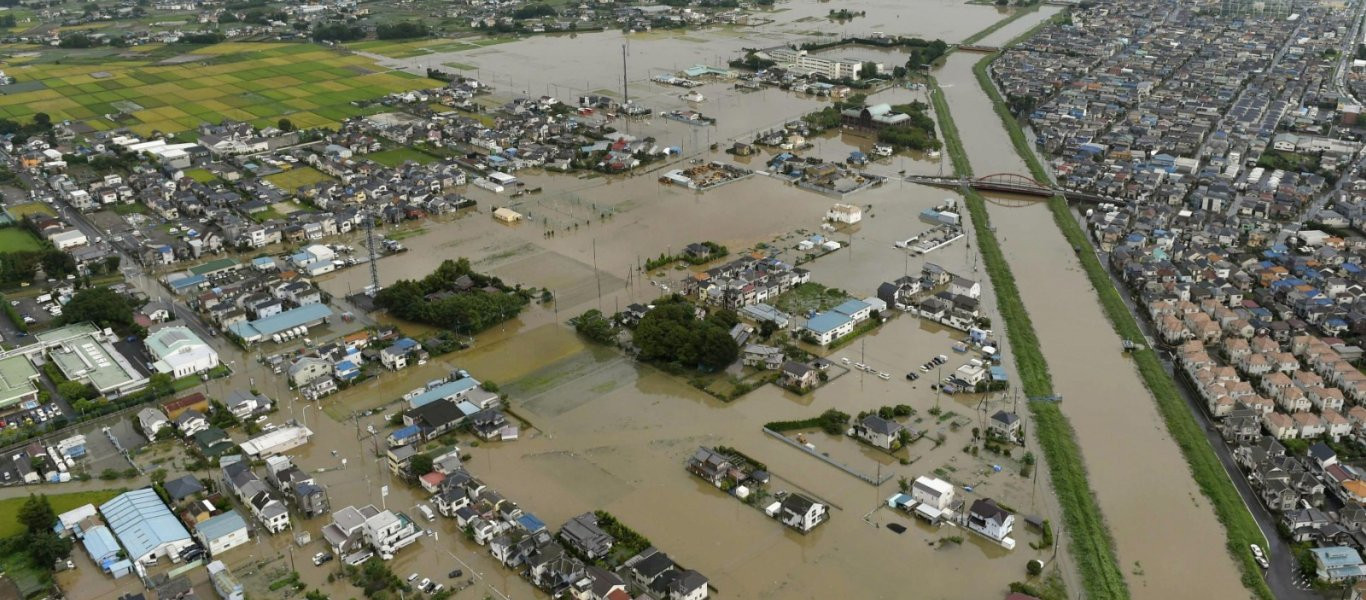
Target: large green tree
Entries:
(672, 333)
(36, 514)
(102, 306)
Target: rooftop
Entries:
(16, 380)
(295, 317)
(142, 522)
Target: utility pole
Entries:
(596, 275)
(625, 89)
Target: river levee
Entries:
(1168, 540)
(602, 432)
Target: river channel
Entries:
(606, 433)
(1166, 534)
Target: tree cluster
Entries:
(467, 308)
(402, 30)
(533, 11)
(672, 333)
(916, 134)
(23, 265)
(595, 326)
(338, 32)
(203, 37)
(99, 305)
(44, 547)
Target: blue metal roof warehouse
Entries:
(307, 315)
(144, 525)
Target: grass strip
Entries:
(981, 35)
(1092, 548)
(1206, 469)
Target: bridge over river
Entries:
(1010, 183)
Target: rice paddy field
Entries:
(397, 156)
(254, 82)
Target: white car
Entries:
(412, 577)
(422, 585)
(1257, 551)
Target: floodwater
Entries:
(1168, 539)
(607, 433)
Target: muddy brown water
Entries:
(1165, 531)
(607, 433)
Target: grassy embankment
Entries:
(1091, 547)
(1205, 466)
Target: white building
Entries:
(68, 239)
(936, 493)
(275, 442)
(844, 213)
(179, 352)
(831, 68)
(222, 533)
(802, 513)
(990, 520)
(387, 531)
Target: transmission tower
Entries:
(374, 254)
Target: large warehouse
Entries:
(145, 527)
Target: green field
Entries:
(201, 175)
(20, 211)
(16, 239)
(254, 82)
(293, 178)
(9, 507)
(396, 156)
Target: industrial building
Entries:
(17, 377)
(305, 316)
(145, 526)
(82, 353)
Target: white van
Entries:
(426, 512)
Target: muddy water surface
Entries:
(1167, 537)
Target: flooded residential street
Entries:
(1142, 483)
(606, 433)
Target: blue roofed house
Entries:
(398, 355)
(1338, 563)
(405, 436)
(829, 326)
(857, 310)
(346, 370)
(145, 526)
(454, 390)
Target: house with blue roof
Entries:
(404, 436)
(145, 526)
(857, 310)
(401, 353)
(828, 326)
(1338, 563)
(305, 316)
(346, 370)
(454, 390)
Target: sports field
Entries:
(254, 82)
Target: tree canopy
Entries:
(453, 297)
(672, 333)
(102, 306)
(595, 326)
